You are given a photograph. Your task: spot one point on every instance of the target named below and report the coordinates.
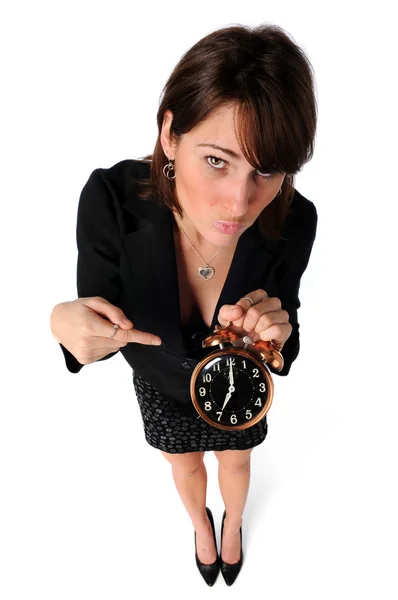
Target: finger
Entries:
(100, 326)
(279, 332)
(113, 313)
(139, 337)
(252, 299)
(105, 329)
(272, 317)
(257, 296)
(136, 336)
(267, 310)
(229, 312)
(259, 317)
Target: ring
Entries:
(248, 298)
(115, 328)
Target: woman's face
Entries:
(214, 184)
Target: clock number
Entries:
(233, 419)
(230, 361)
(202, 391)
(262, 387)
(219, 413)
(208, 405)
(207, 377)
(244, 364)
(255, 371)
(258, 402)
(216, 367)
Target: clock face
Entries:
(231, 389)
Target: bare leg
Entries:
(234, 481)
(190, 478)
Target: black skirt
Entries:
(177, 428)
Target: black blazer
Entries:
(126, 254)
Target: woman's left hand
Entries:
(265, 320)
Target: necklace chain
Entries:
(200, 256)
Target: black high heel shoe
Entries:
(209, 572)
(230, 571)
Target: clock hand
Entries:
(227, 397)
(231, 387)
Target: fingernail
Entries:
(156, 342)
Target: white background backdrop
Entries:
(87, 508)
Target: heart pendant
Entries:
(206, 272)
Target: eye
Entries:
(214, 166)
(220, 168)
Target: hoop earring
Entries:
(169, 167)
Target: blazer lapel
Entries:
(149, 246)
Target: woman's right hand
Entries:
(83, 327)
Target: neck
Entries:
(194, 236)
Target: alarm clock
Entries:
(232, 387)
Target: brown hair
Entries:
(268, 77)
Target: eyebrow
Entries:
(226, 150)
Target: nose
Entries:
(237, 200)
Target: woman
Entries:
(209, 228)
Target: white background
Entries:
(87, 508)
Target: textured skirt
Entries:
(177, 428)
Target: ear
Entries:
(165, 138)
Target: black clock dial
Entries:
(231, 389)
